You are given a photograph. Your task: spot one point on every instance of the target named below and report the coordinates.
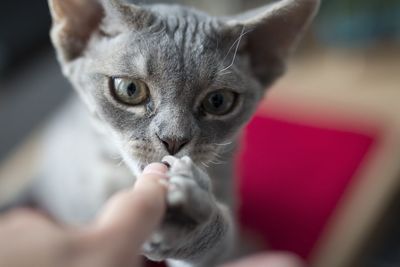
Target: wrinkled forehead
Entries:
(188, 50)
(162, 54)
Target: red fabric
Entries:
(292, 175)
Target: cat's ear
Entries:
(75, 21)
(271, 33)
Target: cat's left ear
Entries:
(76, 21)
(271, 33)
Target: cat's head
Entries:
(169, 79)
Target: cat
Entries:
(161, 83)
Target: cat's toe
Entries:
(162, 244)
(176, 194)
(155, 249)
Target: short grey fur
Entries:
(182, 55)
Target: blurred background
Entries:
(352, 52)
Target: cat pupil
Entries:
(131, 89)
(217, 100)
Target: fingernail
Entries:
(156, 168)
(166, 164)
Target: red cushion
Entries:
(292, 175)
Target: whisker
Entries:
(204, 164)
(243, 33)
(215, 158)
(119, 164)
(219, 161)
(223, 144)
(216, 154)
(115, 157)
(216, 163)
(232, 46)
(225, 73)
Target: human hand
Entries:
(28, 238)
(272, 259)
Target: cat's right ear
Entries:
(270, 33)
(76, 21)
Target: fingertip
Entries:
(275, 259)
(156, 168)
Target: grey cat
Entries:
(161, 83)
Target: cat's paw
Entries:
(189, 196)
(190, 204)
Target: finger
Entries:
(132, 215)
(21, 216)
(169, 160)
(278, 259)
(156, 168)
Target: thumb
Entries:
(272, 259)
(132, 215)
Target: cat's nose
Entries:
(173, 145)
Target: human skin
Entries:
(272, 259)
(29, 238)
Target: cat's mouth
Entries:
(140, 155)
(142, 166)
(141, 163)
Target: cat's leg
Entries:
(197, 230)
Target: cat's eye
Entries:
(220, 102)
(129, 91)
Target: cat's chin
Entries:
(137, 165)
